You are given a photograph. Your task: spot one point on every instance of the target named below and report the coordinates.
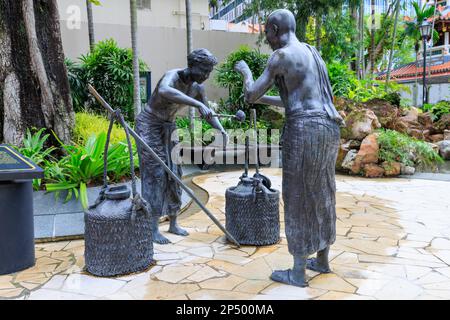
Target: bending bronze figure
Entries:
(155, 124)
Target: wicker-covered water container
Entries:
(252, 212)
(117, 240)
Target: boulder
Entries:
(446, 134)
(425, 120)
(359, 124)
(444, 149)
(442, 124)
(342, 152)
(368, 153)
(434, 146)
(391, 168)
(354, 144)
(436, 137)
(372, 170)
(416, 133)
(386, 113)
(411, 115)
(407, 170)
(349, 159)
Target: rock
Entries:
(411, 116)
(425, 120)
(354, 144)
(436, 138)
(391, 168)
(372, 170)
(368, 153)
(444, 149)
(416, 133)
(342, 152)
(434, 146)
(407, 170)
(343, 114)
(349, 160)
(386, 113)
(359, 124)
(442, 124)
(446, 134)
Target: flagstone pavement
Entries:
(393, 242)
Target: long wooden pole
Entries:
(166, 168)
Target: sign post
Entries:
(16, 210)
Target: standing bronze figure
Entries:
(156, 123)
(310, 143)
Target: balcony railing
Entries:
(435, 55)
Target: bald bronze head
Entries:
(280, 24)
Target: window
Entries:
(144, 4)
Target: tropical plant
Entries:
(88, 124)
(83, 166)
(77, 82)
(110, 70)
(34, 149)
(398, 147)
(437, 110)
(227, 77)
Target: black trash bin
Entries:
(16, 210)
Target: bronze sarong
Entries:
(161, 192)
(309, 187)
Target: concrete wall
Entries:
(163, 13)
(438, 92)
(161, 48)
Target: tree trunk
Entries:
(33, 78)
(372, 39)
(134, 46)
(394, 35)
(318, 30)
(361, 73)
(90, 24)
(189, 50)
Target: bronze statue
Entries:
(310, 143)
(156, 123)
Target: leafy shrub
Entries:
(34, 148)
(227, 77)
(88, 124)
(110, 70)
(398, 147)
(83, 166)
(437, 110)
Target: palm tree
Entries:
(189, 50)
(413, 31)
(134, 45)
(90, 20)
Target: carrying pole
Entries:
(166, 168)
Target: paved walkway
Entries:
(393, 243)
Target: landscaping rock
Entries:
(372, 170)
(416, 133)
(436, 138)
(434, 146)
(354, 144)
(442, 124)
(359, 124)
(368, 153)
(391, 168)
(411, 116)
(446, 134)
(349, 160)
(342, 152)
(425, 120)
(386, 113)
(407, 170)
(444, 149)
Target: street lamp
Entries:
(425, 32)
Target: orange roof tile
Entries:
(411, 71)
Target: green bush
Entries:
(228, 78)
(88, 124)
(110, 70)
(83, 166)
(437, 110)
(398, 147)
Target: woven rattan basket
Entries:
(118, 236)
(252, 213)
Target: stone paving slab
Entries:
(393, 242)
